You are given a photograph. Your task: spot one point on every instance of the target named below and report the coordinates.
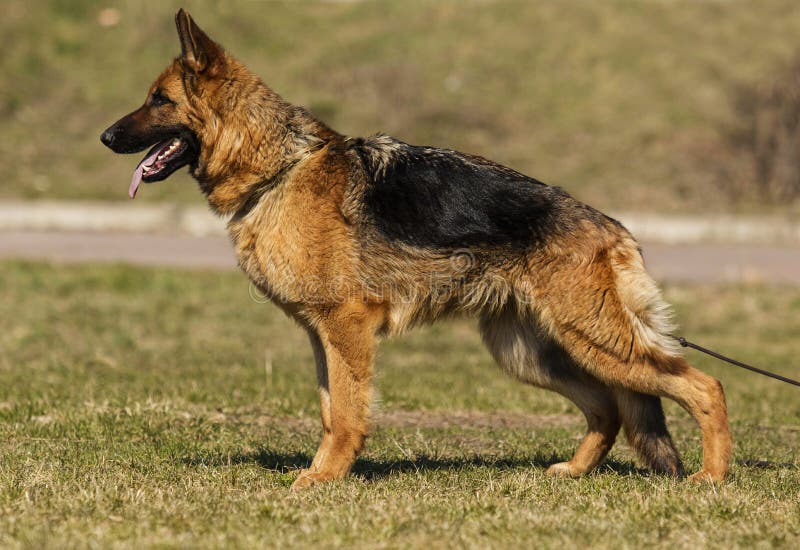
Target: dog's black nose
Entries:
(107, 137)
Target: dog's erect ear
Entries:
(198, 51)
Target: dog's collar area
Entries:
(260, 189)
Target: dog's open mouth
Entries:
(162, 160)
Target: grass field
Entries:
(625, 104)
(154, 407)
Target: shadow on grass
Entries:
(376, 469)
(370, 468)
(766, 464)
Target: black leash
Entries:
(687, 344)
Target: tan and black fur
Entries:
(357, 238)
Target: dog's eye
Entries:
(158, 99)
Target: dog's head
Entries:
(178, 105)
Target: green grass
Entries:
(156, 407)
(626, 104)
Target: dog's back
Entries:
(443, 199)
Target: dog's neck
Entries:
(252, 148)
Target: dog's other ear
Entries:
(198, 51)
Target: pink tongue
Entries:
(137, 174)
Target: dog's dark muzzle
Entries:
(107, 138)
(120, 139)
(127, 135)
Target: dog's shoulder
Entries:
(440, 198)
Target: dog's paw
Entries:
(305, 479)
(562, 469)
(704, 476)
(308, 478)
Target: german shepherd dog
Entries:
(358, 238)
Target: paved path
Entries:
(698, 263)
(139, 249)
(674, 263)
(197, 220)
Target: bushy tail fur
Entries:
(646, 430)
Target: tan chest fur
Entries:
(295, 244)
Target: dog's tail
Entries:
(646, 430)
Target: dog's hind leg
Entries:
(700, 394)
(596, 402)
(617, 330)
(646, 430)
(521, 349)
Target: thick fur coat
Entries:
(356, 238)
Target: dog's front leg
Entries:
(323, 389)
(344, 348)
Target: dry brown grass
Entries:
(136, 410)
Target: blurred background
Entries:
(658, 106)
